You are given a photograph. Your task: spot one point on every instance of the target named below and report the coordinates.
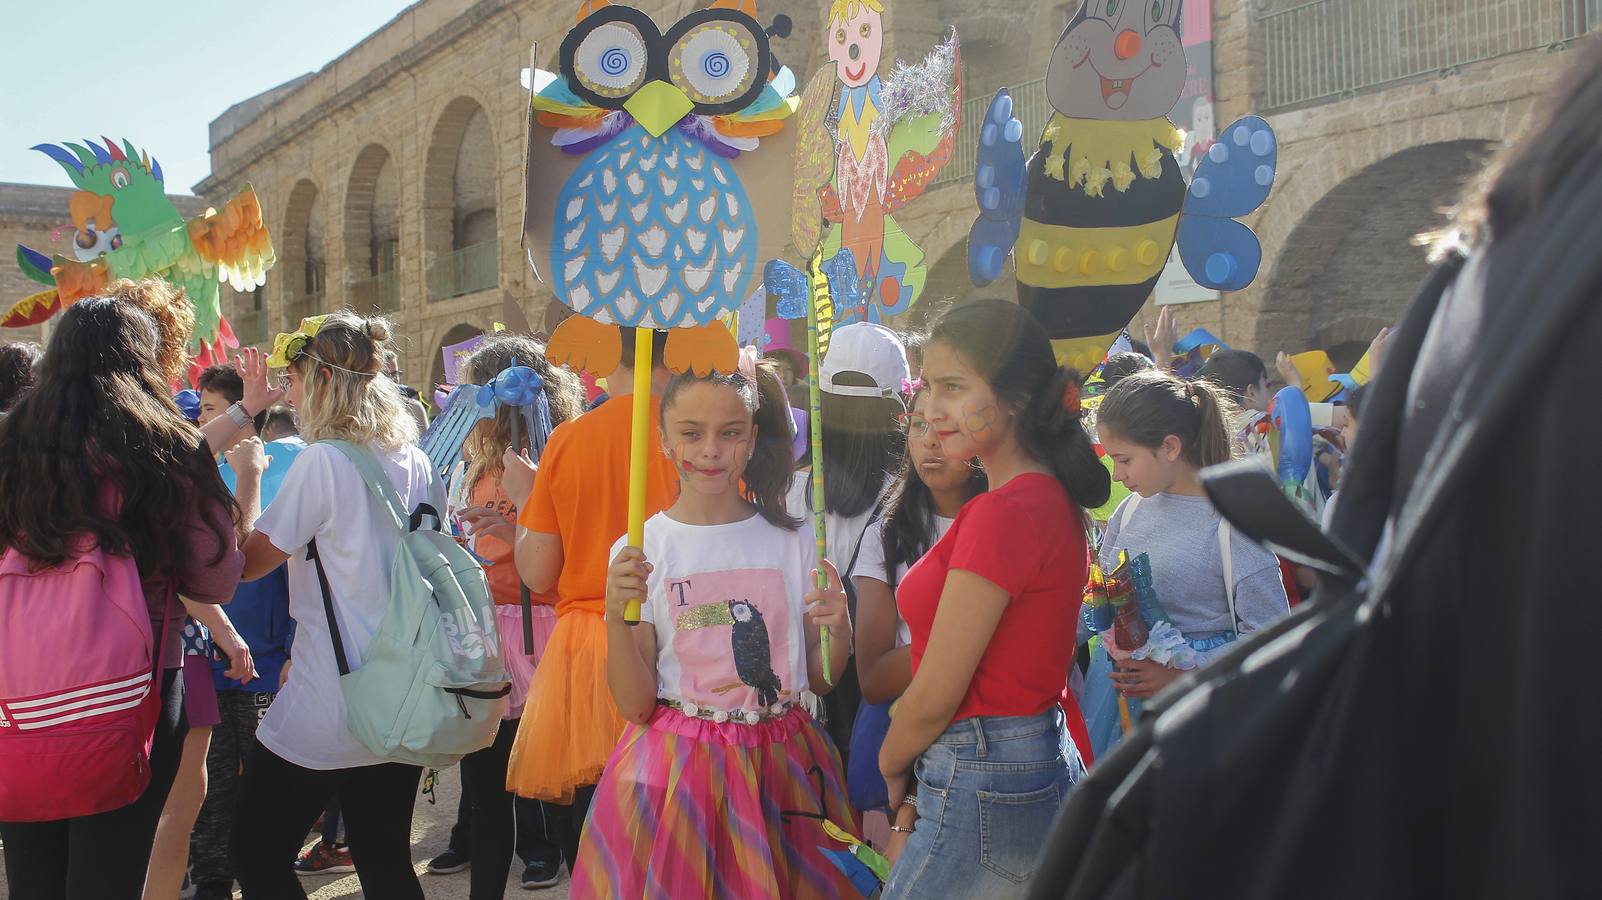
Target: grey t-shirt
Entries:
(1180, 536)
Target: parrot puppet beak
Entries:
(84, 206)
(658, 106)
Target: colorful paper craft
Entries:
(126, 227)
(868, 147)
(1105, 200)
(648, 200)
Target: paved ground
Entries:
(431, 828)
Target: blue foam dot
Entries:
(985, 177)
(1263, 175)
(1243, 136)
(987, 135)
(990, 198)
(1002, 110)
(1221, 267)
(1201, 187)
(1014, 131)
(989, 263)
(1218, 153)
(1263, 142)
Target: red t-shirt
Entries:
(1026, 537)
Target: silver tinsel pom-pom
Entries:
(921, 89)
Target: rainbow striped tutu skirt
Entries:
(689, 807)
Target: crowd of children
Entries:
(700, 752)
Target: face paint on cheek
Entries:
(980, 423)
(742, 457)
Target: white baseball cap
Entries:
(864, 349)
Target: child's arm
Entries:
(827, 608)
(884, 669)
(970, 609)
(240, 666)
(631, 649)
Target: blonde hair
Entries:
(844, 10)
(175, 319)
(563, 391)
(346, 396)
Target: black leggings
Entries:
(567, 822)
(103, 856)
(494, 826)
(278, 803)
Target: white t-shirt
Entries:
(727, 604)
(842, 532)
(870, 564)
(324, 497)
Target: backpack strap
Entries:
(328, 608)
(1226, 552)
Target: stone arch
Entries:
(453, 335)
(302, 267)
(459, 177)
(372, 212)
(1350, 266)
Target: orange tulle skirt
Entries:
(570, 723)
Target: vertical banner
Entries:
(1195, 116)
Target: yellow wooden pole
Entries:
(639, 450)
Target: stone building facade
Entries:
(392, 178)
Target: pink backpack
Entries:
(78, 710)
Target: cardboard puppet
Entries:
(868, 147)
(1091, 217)
(657, 179)
(127, 228)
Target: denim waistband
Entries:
(990, 729)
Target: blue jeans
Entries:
(988, 790)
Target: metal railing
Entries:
(251, 326)
(300, 306)
(1333, 48)
(380, 292)
(473, 268)
(1029, 104)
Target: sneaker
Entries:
(448, 863)
(541, 874)
(321, 859)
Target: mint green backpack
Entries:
(432, 686)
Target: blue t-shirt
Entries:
(260, 609)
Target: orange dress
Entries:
(570, 723)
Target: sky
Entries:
(156, 72)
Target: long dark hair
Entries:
(1008, 347)
(17, 363)
(909, 513)
(767, 474)
(861, 444)
(1532, 171)
(99, 411)
(1146, 407)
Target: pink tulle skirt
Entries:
(519, 663)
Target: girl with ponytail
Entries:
(1160, 432)
(721, 751)
(304, 752)
(994, 605)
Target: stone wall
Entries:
(420, 128)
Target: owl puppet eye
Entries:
(608, 56)
(718, 58)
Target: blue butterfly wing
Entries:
(1232, 180)
(999, 184)
(753, 318)
(1221, 254)
(788, 285)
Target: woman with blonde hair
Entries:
(304, 751)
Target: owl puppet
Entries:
(658, 176)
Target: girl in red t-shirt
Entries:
(995, 604)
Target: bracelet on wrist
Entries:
(901, 829)
(236, 413)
